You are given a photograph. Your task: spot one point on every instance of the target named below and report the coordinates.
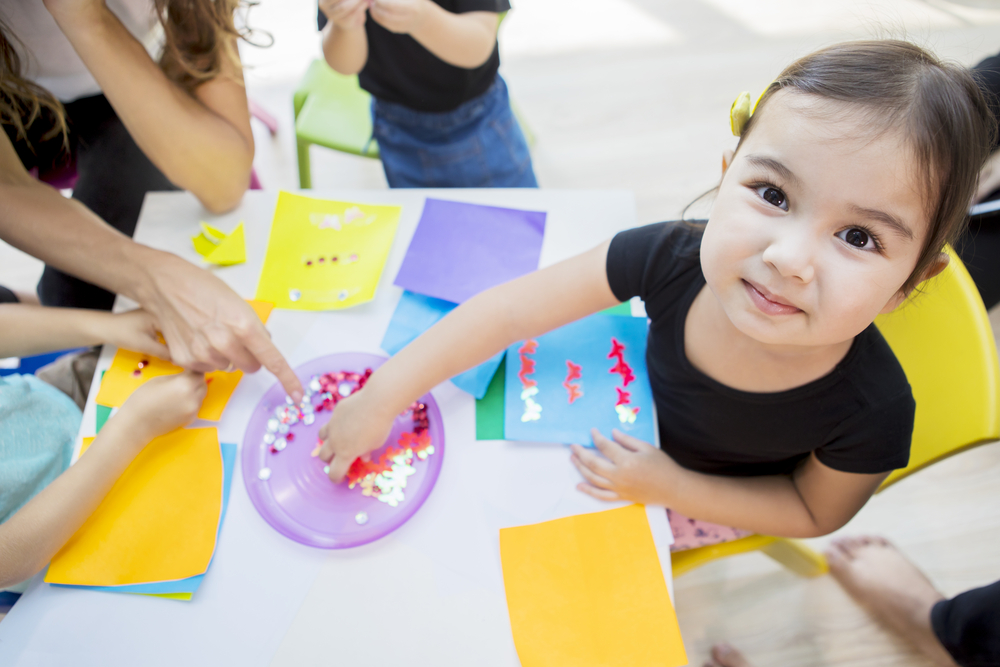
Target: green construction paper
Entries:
(623, 308)
(490, 408)
(103, 415)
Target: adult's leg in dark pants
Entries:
(968, 625)
(114, 177)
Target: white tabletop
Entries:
(432, 590)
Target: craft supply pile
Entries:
(156, 532)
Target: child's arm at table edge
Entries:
(469, 335)
(33, 535)
(27, 329)
(814, 500)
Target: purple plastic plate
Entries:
(300, 501)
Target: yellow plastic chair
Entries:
(943, 340)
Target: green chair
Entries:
(332, 110)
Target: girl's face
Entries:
(816, 226)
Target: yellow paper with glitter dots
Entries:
(159, 522)
(130, 370)
(588, 591)
(325, 255)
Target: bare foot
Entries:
(724, 655)
(878, 576)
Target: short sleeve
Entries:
(875, 440)
(645, 261)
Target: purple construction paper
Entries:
(461, 249)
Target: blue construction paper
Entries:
(191, 584)
(586, 343)
(417, 313)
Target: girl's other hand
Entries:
(164, 404)
(134, 330)
(629, 470)
(399, 16)
(354, 429)
(345, 14)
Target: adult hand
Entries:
(345, 14)
(163, 404)
(354, 429)
(207, 326)
(399, 16)
(629, 470)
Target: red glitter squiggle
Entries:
(621, 368)
(624, 397)
(527, 363)
(573, 373)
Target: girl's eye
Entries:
(773, 196)
(858, 238)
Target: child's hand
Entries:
(629, 470)
(354, 429)
(399, 16)
(163, 404)
(345, 14)
(134, 330)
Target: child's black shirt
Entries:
(400, 70)
(858, 418)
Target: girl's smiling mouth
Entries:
(769, 304)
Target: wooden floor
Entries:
(634, 94)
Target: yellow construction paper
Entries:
(120, 380)
(218, 247)
(159, 522)
(587, 591)
(307, 234)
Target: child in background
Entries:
(42, 504)
(781, 408)
(441, 113)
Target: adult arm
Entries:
(812, 501)
(470, 334)
(202, 143)
(464, 40)
(205, 324)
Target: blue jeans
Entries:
(477, 145)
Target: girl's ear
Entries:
(727, 159)
(937, 266)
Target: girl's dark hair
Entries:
(938, 106)
(22, 102)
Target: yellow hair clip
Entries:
(741, 111)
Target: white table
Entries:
(432, 590)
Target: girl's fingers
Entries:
(629, 442)
(594, 492)
(590, 475)
(598, 464)
(609, 448)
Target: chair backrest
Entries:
(943, 340)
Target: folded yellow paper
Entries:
(218, 247)
(159, 522)
(587, 591)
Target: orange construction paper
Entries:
(587, 591)
(159, 522)
(121, 380)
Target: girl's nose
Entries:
(792, 255)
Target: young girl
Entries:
(41, 502)
(781, 408)
(441, 113)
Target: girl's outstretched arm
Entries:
(30, 538)
(472, 333)
(812, 501)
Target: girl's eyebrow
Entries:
(887, 219)
(773, 165)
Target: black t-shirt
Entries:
(858, 418)
(400, 70)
